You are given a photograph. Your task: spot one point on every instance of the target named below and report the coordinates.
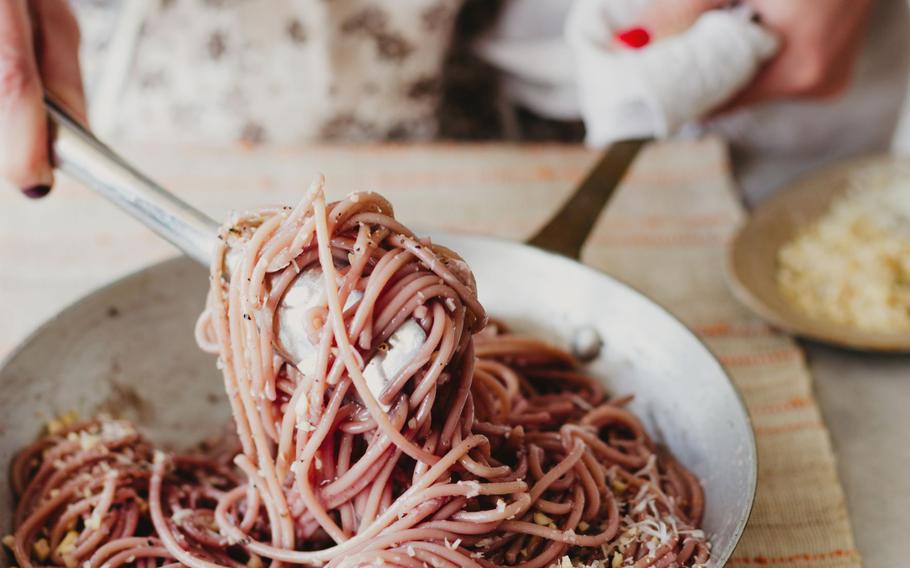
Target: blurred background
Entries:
(902, 136)
(813, 85)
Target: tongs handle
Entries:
(79, 154)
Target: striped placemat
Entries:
(664, 233)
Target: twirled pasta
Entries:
(487, 449)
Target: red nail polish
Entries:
(635, 38)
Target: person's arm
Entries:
(39, 50)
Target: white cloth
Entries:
(654, 91)
(771, 143)
(619, 92)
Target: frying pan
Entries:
(128, 349)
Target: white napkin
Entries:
(568, 65)
(654, 91)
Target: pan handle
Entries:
(79, 154)
(566, 232)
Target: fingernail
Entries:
(37, 191)
(635, 38)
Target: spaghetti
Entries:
(86, 497)
(486, 449)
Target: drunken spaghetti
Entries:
(484, 449)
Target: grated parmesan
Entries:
(852, 266)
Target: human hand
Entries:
(39, 48)
(820, 42)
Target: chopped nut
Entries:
(54, 426)
(68, 544)
(42, 549)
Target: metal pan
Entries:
(128, 348)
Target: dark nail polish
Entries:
(37, 191)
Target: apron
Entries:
(265, 71)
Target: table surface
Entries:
(864, 398)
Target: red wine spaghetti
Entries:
(483, 449)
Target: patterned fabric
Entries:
(275, 71)
(291, 71)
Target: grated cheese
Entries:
(453, 545)
(852, 266)
(88, 441)
(473, 488)
(566, 562)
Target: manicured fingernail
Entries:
(635, 38)
(37, 191)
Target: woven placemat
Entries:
(664, 233)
